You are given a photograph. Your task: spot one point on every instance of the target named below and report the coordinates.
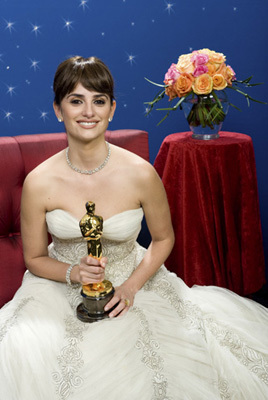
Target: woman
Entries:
(162, 340)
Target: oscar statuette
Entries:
(95, 295)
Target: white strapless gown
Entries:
(175, 343)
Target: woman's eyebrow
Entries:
(101, 95)
(82, 96)
(75, 95)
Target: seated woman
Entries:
(162, 340)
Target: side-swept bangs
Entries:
(91, 72)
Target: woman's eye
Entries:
(99, 102)
(76, 101)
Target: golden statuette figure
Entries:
(95, 295)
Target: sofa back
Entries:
(18, 156)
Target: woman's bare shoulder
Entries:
(134, 166)
(129, 158)
(45, 171)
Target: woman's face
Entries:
(85, 114)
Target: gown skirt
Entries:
(175, 343)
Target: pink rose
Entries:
(200, 69)
(199, 59)
(172, 74)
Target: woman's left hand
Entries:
(124, 296)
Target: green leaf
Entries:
(216, 98)
(163, 119)
(156, 84)
(232, 105)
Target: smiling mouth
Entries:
(87, 124)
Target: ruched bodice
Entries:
(118, 241)
(123, 226)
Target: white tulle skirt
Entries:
(175, 343)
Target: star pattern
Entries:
(35, 29)
(44, 115)
(83, 4)
(137, 41)
(34, 64)
(8, 115)
(10, 90)
(131, 59)
(10, 26)
(68, 24)
(169, 7)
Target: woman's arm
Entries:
(35, 195)
(157, 214)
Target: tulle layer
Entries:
(175, 343)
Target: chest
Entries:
(111, 193)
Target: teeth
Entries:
(87, 123)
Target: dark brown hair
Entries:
(91, 72)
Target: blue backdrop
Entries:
(137, 39)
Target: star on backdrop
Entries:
(20, 52)
(36, 41)
(44, 115)
(34, 64)
(68, 24)
(83, 4)
(169, 7)
(36, 29)
(10, 26)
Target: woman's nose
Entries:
(88, 110)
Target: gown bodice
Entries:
(123, 226)
(118, 240)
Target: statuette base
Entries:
(92, 308)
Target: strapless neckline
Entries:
(70, 215)
(64, 225)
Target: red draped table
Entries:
(213, 197)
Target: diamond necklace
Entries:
(90, 171)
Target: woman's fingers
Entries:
(92, 270)
(121, 305)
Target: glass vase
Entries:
(205, 114)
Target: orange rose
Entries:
(171, 92)
(219, 82)
(217, 58)
(205, 51)
(203, 84)
(183, 84)
(185, 64)
(221, 69)
(230, 75)
(211, 68)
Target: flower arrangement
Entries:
(197, 78)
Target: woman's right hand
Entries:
(90, 270)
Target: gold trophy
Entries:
(95, 295)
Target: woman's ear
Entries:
(57, 111)
(113, 107)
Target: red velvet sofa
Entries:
(18, 156)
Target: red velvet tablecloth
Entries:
(213, 197)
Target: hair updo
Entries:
(91, 72)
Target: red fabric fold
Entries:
(212, 192)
